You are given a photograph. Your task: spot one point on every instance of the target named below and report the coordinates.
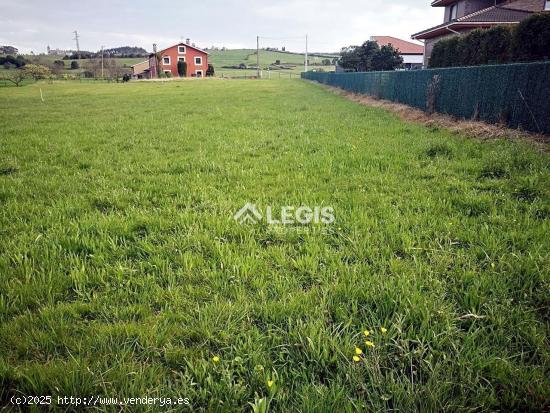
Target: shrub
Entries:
(532, 38)
(497, 45)
(529, 41)
(37, 72)
(210, 71)
(74, 65)
(182, 68)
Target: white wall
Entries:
(412, 58)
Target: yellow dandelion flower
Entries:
(369, 343)
(358, 351)
(215, 359)
(269, 383)
(383, 330)
(366, 333)
(356, 358)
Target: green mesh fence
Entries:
(515, 94)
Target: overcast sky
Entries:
(34, 24)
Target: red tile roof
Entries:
(402, 45)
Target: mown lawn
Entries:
(123, 272)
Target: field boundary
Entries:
(468, 128)
(517, 95)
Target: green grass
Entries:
(49, 59)
(220, 58)
(122, 271)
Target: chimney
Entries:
(193, 45)
(154, 48)
(188, 41)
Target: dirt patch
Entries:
(469, 128)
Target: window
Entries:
(181, 59)
(166, 60)
(547, 5)
(198, 73)
(198, 61)
(167, 71)
(181, 49)
(452, 12)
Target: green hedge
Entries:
(528, 41)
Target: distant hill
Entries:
(285, 61)
(127, 51)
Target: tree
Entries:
(8, 50)
(182, 68)
(57, 67)
(387, 58)
(17, 61)
(210, 71)
(369, 56)
(358, 58)
(14, 76)
(93, 68)
(158, 58)
(37, 72)
(112, 70)
(74, 65)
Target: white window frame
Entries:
(169, 61)
(167, 71)
(195, 60)
(197, 73)
(184, 49)
(180, 58)
(453, 10)
(547, 5)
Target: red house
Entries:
(196, 59)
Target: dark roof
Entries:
(529, 5)
(526, 5)
(483, 18)
(511, 11)
(496, 14)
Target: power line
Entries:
(76, 37)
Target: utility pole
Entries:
(258, 55)
(102, 62)
(76, 37)
(305, 63)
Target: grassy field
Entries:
(218, 58)
(124, 274)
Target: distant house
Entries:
(141, 70)
(462, 16)
(412, 53)
(196, 59)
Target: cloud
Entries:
(35, 24)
